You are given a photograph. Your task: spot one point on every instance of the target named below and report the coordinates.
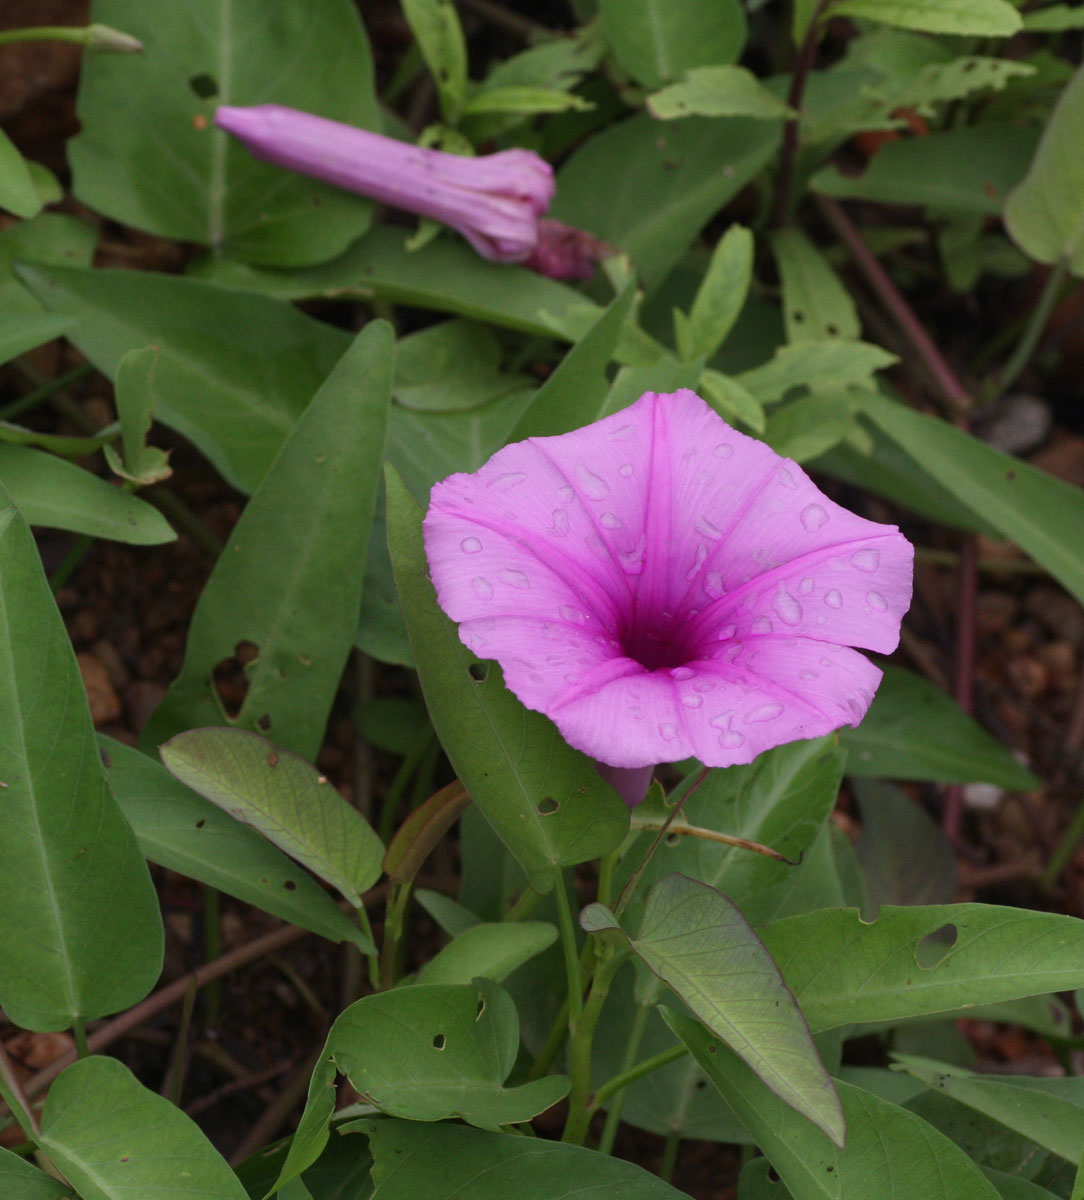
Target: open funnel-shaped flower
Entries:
(662, 586)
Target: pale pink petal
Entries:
(662, 586)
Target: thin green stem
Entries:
(372, 959)
(398, 786)
(556, 1039)
(523, 905)
(46, 33)
(70, 563)
(669, 1157)
(18, 407)
(606, 868)
(79, 1032)
(1033, 331)
(626, 1079)
(394, 923)
(569, 947)
(178, 1067)
(581, 1033)
(613, 1113)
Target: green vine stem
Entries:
(93, 37)
(1033, 331)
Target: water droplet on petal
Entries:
(508, 480)
(707, 529)
(682, 673)
(833, 599)
(610, 520)
(667, 731)
(625, 469)
(876, 601)
(692, 700)
(470, 545)
(728, 633)
(559, 528)
(808, 674)
(826, 661)
(805, 587)
(762, 625)
(698, 562)
(573, 615)
(619, 435)
(766, 712)
(723, 450)
(814, 517)
(566, 494)
(482, 588)
(514, 578)
(787, 609)
(786, 478)
(713, 585)
(594, 486)
(866, 560)
(632, 561)
(729, 652)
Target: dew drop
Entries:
(572, 615)
(766, 712)
(707, 529)
(723, 450)
(786, 608)
(833, 599)
(470, 545)
(729, 652)
(713, 585)
(619, 435)
(805, 587)
(625, 470)
(762, 625)
(508, 480)
(704, 686)
(632, 561)
(680, 673)
(728, 633)
(786, 478)
(698, 562)
(594, 486)
(876, 601)
(514, 578)
(610, 520)
(814, 517)
(692, 700)
(566, 494)
(667, 731)
(808, 674)
(866, 560)
(482, 588)
(559, 528)
(731, 740)
(826, 661)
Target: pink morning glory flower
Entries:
(664, 587)
(495, 200)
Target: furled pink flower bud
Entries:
(564, 252)
(662, 586)
(494, 200)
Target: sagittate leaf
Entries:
(998, 953)
(283, 797)
(979, 18)
(720, 296)
(234, 372)
(658, 40)
(450, 1161)
(192, 181)
(544, 799)
(289, 581)
(80, 930)
(112, 1137)
(815, 304)
(694, 939)
(179, 829)
(1045, 214)
(1042, 514)
(50, 491)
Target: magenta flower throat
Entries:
(662, 586)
